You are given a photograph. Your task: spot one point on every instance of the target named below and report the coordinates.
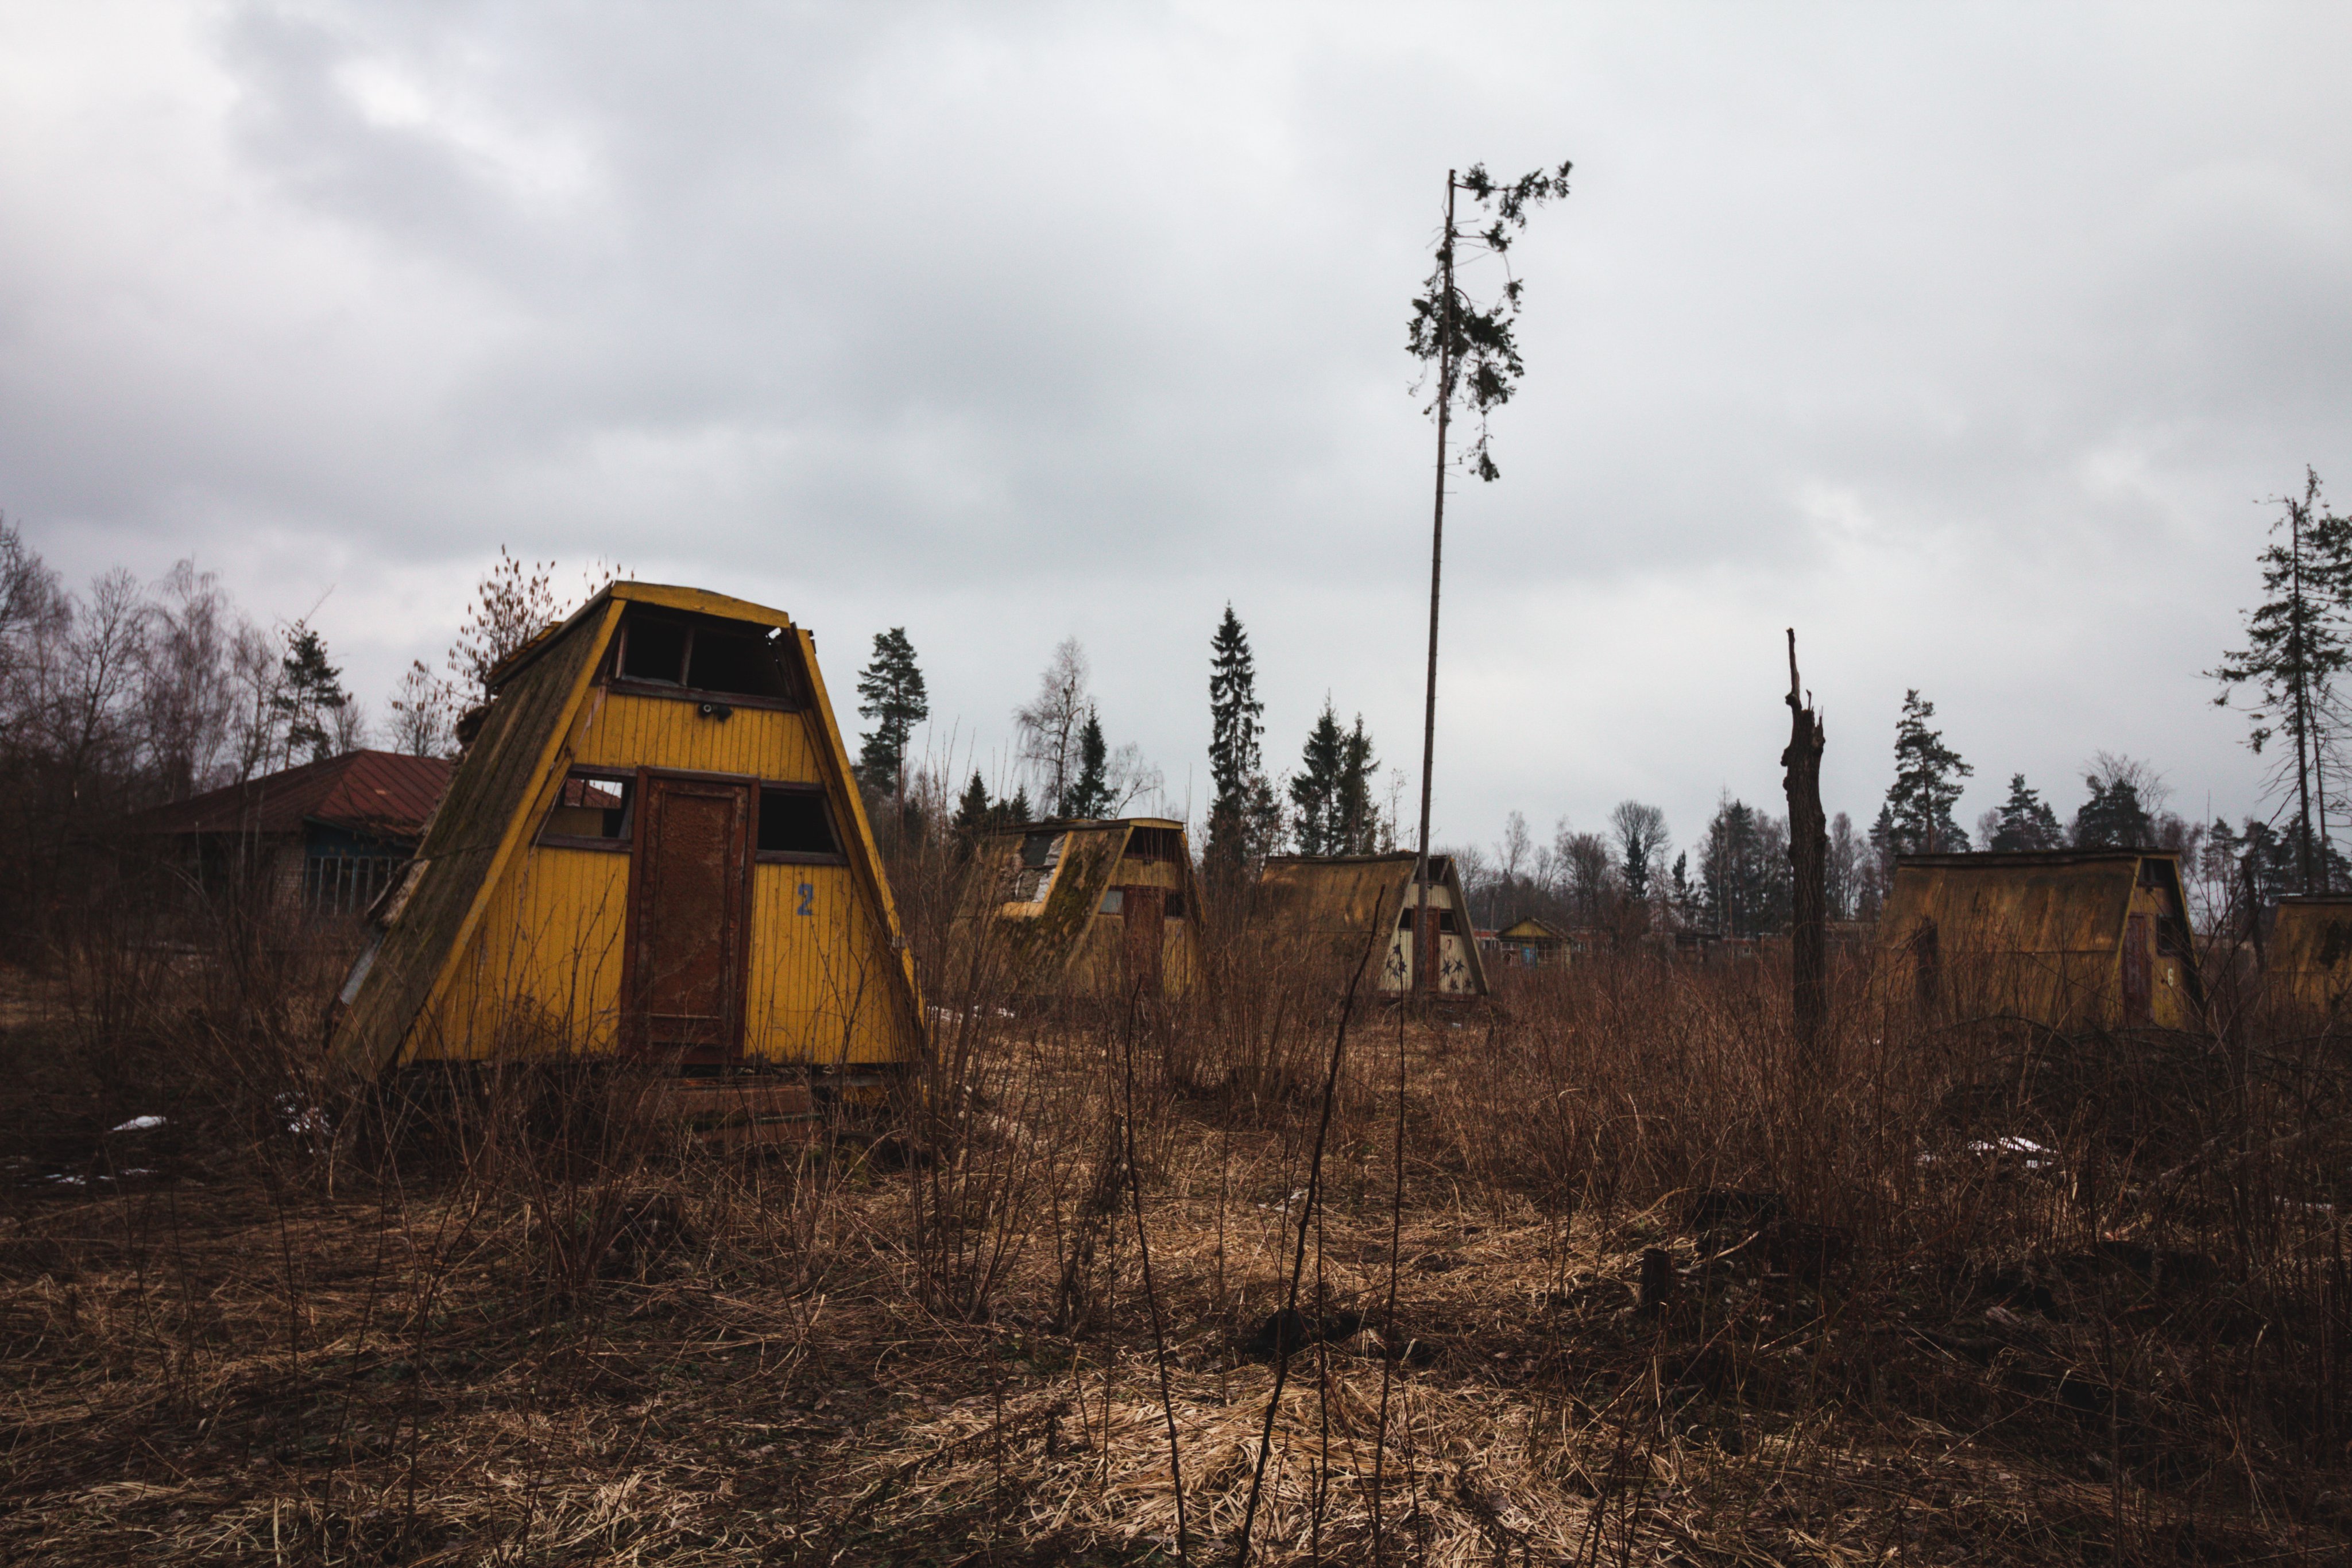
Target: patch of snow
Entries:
(141, 1125)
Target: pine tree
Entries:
(309, 692)
(2113, 818)
(2024, 821)
(2295, 649)
(890, 691)
(1315, 790)
(1089, 793)
(1016, 813)
(1927, 774)
(1244, 801)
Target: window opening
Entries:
(655, 650)
(1174, 909)
(1040, 853)
(733, 661)
(1154, 844)
(795, 822)
(704, 658)
(1445, 921)
(1115, 901)
(592, 811)
(346, 885)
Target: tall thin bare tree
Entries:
(1476, 356)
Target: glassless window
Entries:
(720, 659)
(795, 822)
(591, 808)
(655, 650)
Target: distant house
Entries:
(332, 834)
(1533, 944)
(1086, 906)
(1335, 912)
(2069, 938)
(2308, 957)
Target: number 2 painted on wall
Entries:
(808, 890)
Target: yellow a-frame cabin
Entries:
(1088, 907)
(653, 849)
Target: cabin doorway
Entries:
(2138, 991)
(1145, 912)
(689, 903)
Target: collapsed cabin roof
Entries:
(384, 794)
(2028, 901)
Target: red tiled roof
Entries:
(381, 792)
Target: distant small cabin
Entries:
(2070, 938)
(1330, 911)
(2308, 955)
(1088, 907)
(328, 836)
(1533, 944)
(652, 848)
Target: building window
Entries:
(591, 812)
(346, 885)
(795, 824)
(679, 656)
(1032, 872)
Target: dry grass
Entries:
(1881, 1334)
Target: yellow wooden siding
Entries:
(545, 963)
(821, 985)
(543, 968)
(618, 731)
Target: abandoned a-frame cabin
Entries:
(2308, 958)
(2069, 938)
(1330, 910)
(652, 848)
(1082, 906)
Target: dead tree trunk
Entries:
(1807, 858)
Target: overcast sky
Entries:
(1968, 340)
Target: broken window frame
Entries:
(836, 856)
(1045, 869)
(626, 778)
(782, 645)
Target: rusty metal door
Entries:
(1145, 910)
(2139, 938)
(690, 896)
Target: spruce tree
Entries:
(1355, 822)
(890, 691)
(1315, 790)
(1927, 774)
(1089, 792)
(2024, 821)
(1238, 813)
(1016, 813)
(973, 813)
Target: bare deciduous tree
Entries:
(1049, 723)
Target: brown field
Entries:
(1615, 1279)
